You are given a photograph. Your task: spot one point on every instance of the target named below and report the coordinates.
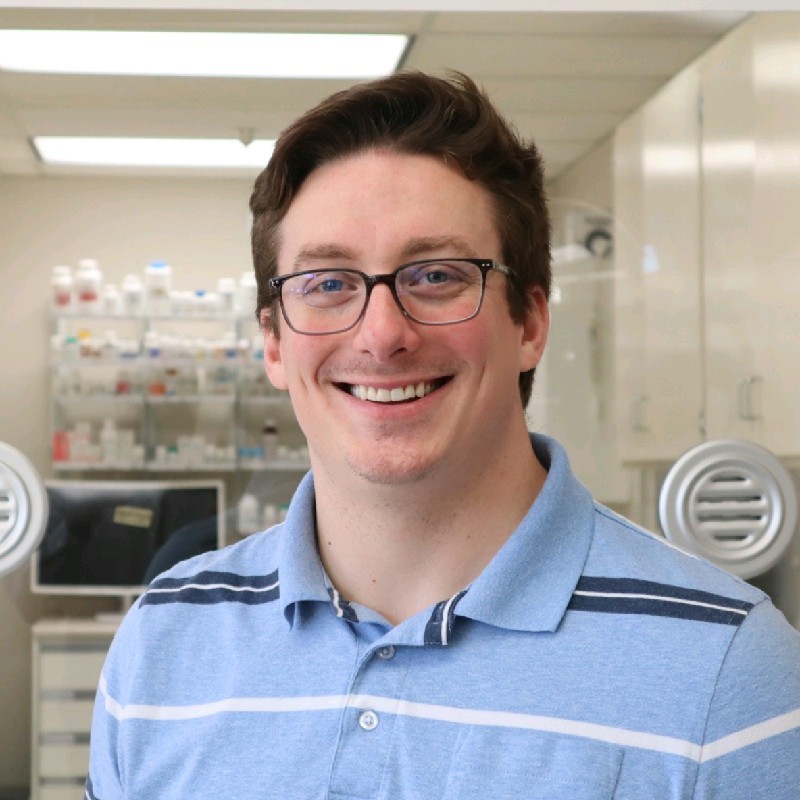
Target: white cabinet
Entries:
(658, 308)
(708, 211)
(751, 185)
(68, 656)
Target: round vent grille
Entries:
(23, 508)
(731, 502)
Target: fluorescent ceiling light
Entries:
(226, 55)
(137, 152)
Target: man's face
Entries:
(373, 212)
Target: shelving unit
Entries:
(155, 393)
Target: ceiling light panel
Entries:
(223, 55)
(138, 152)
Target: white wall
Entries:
(201, 227)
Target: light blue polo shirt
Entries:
(590, 660)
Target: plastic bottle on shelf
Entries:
(132, 295)
(226, 289)
(157, 287)
(112, 300)
(88, 286)
(247, 520)
(62, 298)
(247, 296)
(108, 442)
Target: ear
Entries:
(273, 358)
(534, 329)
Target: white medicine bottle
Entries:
(88, 286)
(62, 298)
(132, 295)
(247, 296)
(247, 517)
(157, 287)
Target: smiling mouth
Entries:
(398, 394)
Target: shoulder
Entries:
(622, 549)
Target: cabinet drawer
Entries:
(63, 760)
(65, 716)
(55, 791)
(71, 670)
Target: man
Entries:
(445, 612)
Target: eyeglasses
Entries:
(440, 291)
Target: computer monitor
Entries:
(113, 537)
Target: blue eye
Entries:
(329, 285)
(436, 277)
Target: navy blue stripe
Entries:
(208, 597)
(433, 629)
(348, 612)
(634, 586)
(655, 608)
(249, 589)
(212, 577)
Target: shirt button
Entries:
(386, 652)
(368, 720)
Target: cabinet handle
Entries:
(638, 413)
(747, 409)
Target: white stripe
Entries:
(446, 616)
(208, 586)
(752, 735)
(626, 595)
(464, 716)
(339, 609)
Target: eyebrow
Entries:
(455, 245)
(414, 248)
(322, 252)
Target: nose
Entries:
(384, 331)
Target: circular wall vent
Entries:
(23, 508)
(731, 502)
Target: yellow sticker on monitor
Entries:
(134, 516)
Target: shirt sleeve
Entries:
(104, 781)
(751, 746)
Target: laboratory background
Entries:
(136, 424)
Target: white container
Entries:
(88, 287)
(226, 289)
(247, 297)
(157, 287)
(132, 295)
(112, 300)
(247, 516)
(108, 442)
(62, 296)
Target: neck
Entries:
(400, 548)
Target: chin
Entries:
(391, 471)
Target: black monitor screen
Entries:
(116, 536)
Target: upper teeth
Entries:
(395, 395)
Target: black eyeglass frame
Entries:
(485, 265)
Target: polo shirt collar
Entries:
(527, 585)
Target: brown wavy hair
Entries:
(416, 114)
